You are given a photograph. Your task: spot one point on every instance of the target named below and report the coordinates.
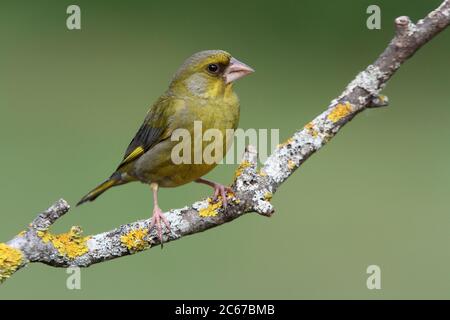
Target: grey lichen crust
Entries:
(253, 188)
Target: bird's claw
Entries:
(157, 217)
(221, 190)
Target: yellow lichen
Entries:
(262, 173)
(231, 196)
(211, 209)
(288, 141)
(240, 169)
(268, 196)
(340, 111)
(311, 130)
(10, 260)
(71, 244)
(135, 239)
(291, 164)
(21, 233)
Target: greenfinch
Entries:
(200, 91)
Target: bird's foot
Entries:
(221, 190)
(157, 217)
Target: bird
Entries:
(200, 91)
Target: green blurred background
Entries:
(378, 193)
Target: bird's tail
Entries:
(93, 194)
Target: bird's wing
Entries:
(145, 138)
(156, 128)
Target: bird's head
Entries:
(208, 74)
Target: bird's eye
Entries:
(213, 68)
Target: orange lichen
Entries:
(71, 244)
(135, 239)
(340, 111)
(10, 260)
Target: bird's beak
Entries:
(236, 70)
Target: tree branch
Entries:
(253, 189)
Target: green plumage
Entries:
(195, 94)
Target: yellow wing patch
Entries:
(139, 151)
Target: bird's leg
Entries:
(158, 214)
(219, 189)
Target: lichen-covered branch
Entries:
(253, 188)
